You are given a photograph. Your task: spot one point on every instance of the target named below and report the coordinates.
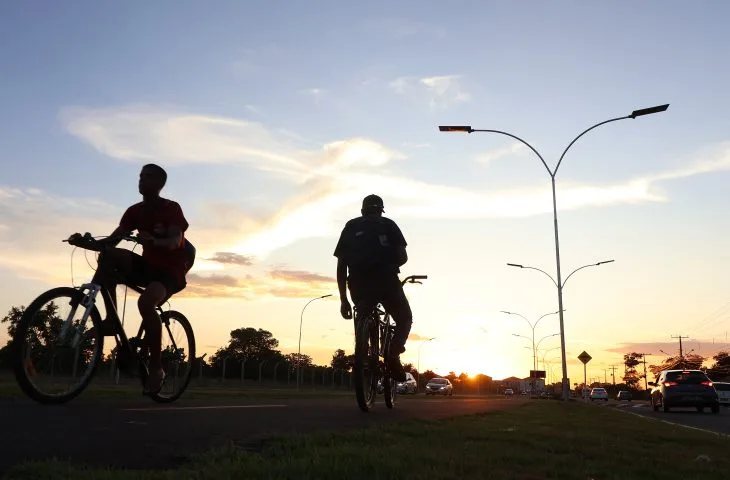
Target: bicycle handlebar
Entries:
(87, 237)
(413, 279)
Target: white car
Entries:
(509, 391)
(598, 393)
(723, 391)
(409, 386)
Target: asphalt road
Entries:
(719, 423)
(150, 435)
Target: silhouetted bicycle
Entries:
(61, 342)
(373, 338)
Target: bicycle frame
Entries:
(89, 301)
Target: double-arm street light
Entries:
(553, 173)
(532, 327)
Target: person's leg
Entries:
(153, 294)
(115, 265)
(395, 302)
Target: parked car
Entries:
(624, 395)
(684, 388)
(723, 392)
(509, 391)
(439, 386)
(409, 386)
(598, 393)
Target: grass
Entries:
(540, 440)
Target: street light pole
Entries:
(299, 348)
(553, 173)
(418, 367)
(532, 326)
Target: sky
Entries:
(274, 120)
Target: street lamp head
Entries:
(505, 311)
(516, 265)
(648, 111)
(325, 296)
(455, 128)
(605, 261)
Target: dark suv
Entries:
(684, 388)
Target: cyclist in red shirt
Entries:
(161, 268)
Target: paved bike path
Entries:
(148, 435)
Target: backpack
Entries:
(369, 244)
(189, 255)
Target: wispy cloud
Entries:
(332, 179)
(438, 92)
(282, 284)
(415, 337)
(301, 276)
(231, 258)
(489, 157)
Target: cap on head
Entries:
(372, 203)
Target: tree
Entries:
(295, 359)
(408, 367)
(249, 344)
(42, 340)
(720, 370)
(631, 376)
(428, 375)
(340, 361)
(691, 362)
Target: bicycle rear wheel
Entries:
(43, 361)
(366, 362)
(178, 355)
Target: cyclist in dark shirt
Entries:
(161, 268)
(372, 248)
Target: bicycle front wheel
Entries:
(366, 362)
(178, 355)
(51, 366)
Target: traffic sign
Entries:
(584, 357)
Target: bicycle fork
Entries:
(76, 331)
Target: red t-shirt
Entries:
(156, 220)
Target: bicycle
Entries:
(374, 332)
(83, 348)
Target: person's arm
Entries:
(342, 278)
(345, 307)
(177, 225)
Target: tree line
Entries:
(247, 348)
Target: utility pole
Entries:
(605, 375)
(681, 356)
(613, 373)
(643, 356)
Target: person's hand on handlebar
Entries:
(79, 240)
(145, 237)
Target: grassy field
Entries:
(540, 440)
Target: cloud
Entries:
(489, 157)
(415, 337)
(438, 92)
(231, 258)
(278, 283)
(140, 133)
(331, 180)
(301, 276)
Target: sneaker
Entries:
(396, 369)
(154, 382)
